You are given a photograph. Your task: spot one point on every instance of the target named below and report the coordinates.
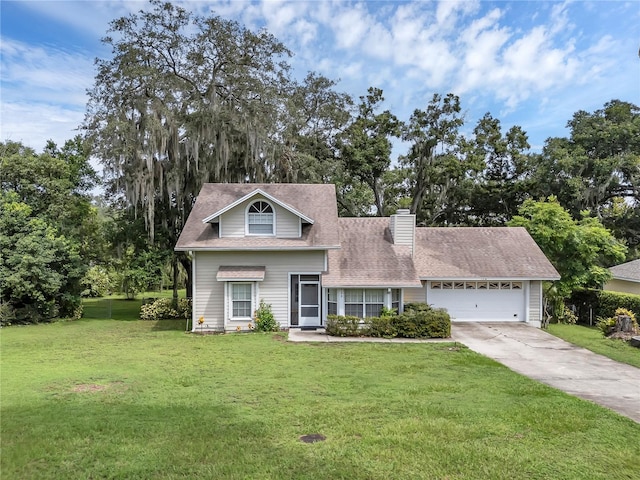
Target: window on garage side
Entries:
(241, 300)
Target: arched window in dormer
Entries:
(260, 219)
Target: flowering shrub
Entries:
(163, 309)
(264, 319)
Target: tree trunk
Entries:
(623, 324)
(185, 261)
(174, 265)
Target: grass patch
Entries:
(117, 307)
(135, 399)
(592, 339)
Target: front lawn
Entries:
(592, 339)
(133, 399)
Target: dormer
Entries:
(259, 214)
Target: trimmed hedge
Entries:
(417, 321)
(602, 304)
(609, 302)
(345, 326)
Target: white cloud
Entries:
(40, 73)
(448, 11)
(350, 26)
(503, 57)
(35, 123)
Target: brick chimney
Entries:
(403, 228)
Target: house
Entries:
(625, 278)
(284, 244)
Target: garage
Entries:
(497, 301)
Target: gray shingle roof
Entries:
(629, 271)
(317, 202)
(480, 252)
(361, 251)
(369, 258)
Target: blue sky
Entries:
(531, 64)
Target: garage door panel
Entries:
(480, 305)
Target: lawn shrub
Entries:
(164, 309)
(438, 323)
(7, 314)
(568, 316)
(417, 321)
(410, 324)
(591, 304)
(429, 322)
(417, 307)
(383, 326)
(609, 302)
(264, 320)
(97, 282)
(345, 326)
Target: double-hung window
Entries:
(241, 300)
(363, 302)
(332, 301)
(374, 301)
(260, 219)
(353, 305)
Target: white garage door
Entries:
(479, 301)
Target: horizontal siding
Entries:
(287, 223)
(209, 301)
(413, 295)
(535, 301)
(623, 286)
(403, 227)
(233, 222)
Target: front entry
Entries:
(305, 300)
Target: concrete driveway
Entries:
(543, 357)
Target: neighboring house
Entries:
(284, 244)
(625, 278)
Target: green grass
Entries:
(592, 339)
(106, 398)
(117, 307)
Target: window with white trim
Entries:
(374, 301)
(395, 299)
(363, 303)
(241, 302)
(332, 301)
(260, 218)
(353, 302)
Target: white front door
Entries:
(309, 307)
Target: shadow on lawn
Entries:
(111, 309)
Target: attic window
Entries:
(260, 219)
